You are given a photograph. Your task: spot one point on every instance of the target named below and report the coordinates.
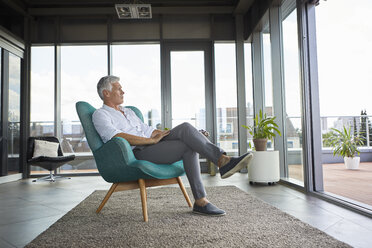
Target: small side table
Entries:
(264, 167)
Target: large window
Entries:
(81, 68)
(344, 64)
(293, 103)
(14, 110)
(226, 100)
(268, 80)
(42, 84)
(138, 67)
(248, 90)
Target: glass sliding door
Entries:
(345, 76)
(187, 85)
(14, 118)
(188, 88)
(10, 109)
(293, 101)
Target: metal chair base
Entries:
(50, 177)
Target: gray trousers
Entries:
(183, 143)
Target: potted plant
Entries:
(263, 129)
(346, 145)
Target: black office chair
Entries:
(48, 163)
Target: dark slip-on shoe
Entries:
(235, 165)
(209, 209)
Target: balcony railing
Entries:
(73, 138)
(360, 125)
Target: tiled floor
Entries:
(27, 209)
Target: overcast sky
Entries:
(344, 34)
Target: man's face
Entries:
(116, 96)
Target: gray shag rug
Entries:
(249, 222)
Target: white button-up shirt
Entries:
(109, 122)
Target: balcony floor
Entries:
(352, 184)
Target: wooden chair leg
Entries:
(184, 191)
(142, 186)
(109, 193)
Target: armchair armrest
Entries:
(113, 160)
(119, 148)
(116, 163)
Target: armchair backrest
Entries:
(136, 111)
(85, 112)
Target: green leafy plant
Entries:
(263, 127)
(326, 137)
(344, 143)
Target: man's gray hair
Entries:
(105, 83)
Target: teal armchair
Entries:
(117, 165)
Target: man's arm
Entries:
(103, 124)
(139, 141)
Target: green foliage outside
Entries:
(363, 127)
(354, 125)
(326, 138)
(263, 127)
(365, 122)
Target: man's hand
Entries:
(159, 135)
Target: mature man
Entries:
(182, 142)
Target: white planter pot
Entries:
(264, 167)
(352, 163)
